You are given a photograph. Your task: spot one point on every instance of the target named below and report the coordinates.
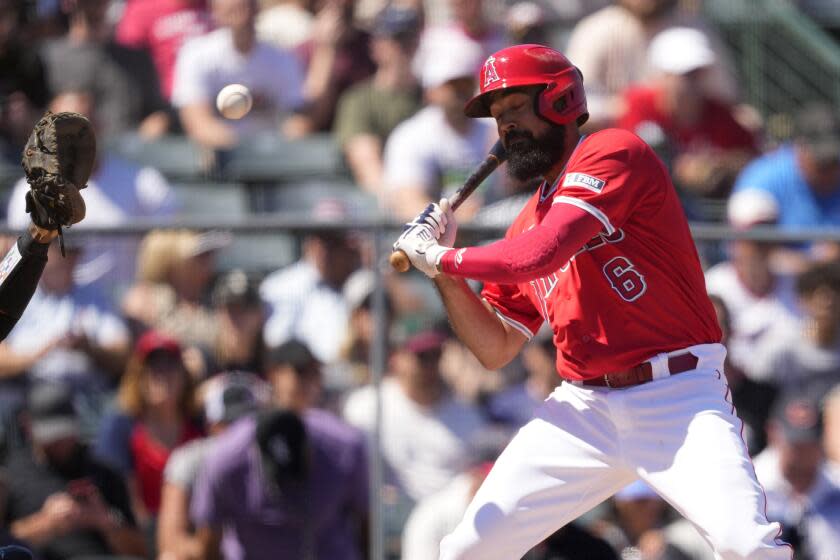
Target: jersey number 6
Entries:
(625, 279)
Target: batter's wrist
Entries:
(438, 258)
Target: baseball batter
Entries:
(603, 252)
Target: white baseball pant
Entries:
(678, 433)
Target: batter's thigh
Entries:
(559, 466)
(695, 457)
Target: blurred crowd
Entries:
(156, 402)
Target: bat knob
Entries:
(399, 261)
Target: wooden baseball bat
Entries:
(399, 260)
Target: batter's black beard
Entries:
(530, 157)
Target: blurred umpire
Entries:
(57, 159)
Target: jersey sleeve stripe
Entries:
(586, 207)
(515, 324)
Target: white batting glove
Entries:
(419, 240)
(450, 231)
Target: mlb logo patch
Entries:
(594, 184)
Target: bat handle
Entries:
(399, 261)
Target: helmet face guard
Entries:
(562, 99)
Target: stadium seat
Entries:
(306, 195)
(272, 158)
(211, 200)
(261, 253)
(174, 156)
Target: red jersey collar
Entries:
(545, 193)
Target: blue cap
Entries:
(638, 490)
(15, 552)
(394, 21)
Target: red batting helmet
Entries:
(561, 101)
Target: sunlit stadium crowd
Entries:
(197, 392)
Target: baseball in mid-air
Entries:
(234, 101)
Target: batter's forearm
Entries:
(476, 325)
(534, 254)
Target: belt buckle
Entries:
(607, 380)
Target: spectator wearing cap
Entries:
(306, 300)
(696, 134)
(15, 552)
(635, 526)
(761, 302)
(153, 417)
(808, 356)
(802, 493)
(802, 176)
(174, 272)
(295, 376)
(241, 316)
(370, 110)
(289, 483)
(427, 435)
(610, 47)
(226, 398)
(432, 153)
(232, 54)
(56, 496)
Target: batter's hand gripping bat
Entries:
(399, 260)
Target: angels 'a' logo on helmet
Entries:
(490, 74)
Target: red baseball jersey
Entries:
(634, 290)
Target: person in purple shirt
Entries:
(289, 483)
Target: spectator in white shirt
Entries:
(761, 303)
(433, 152)
(802, 491)
(437, 515)
(808, 356)
(427, 436)
(232, 54)
(306, 299)
(64, 336)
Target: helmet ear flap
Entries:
(551, 103)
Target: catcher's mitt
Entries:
(58, 160)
